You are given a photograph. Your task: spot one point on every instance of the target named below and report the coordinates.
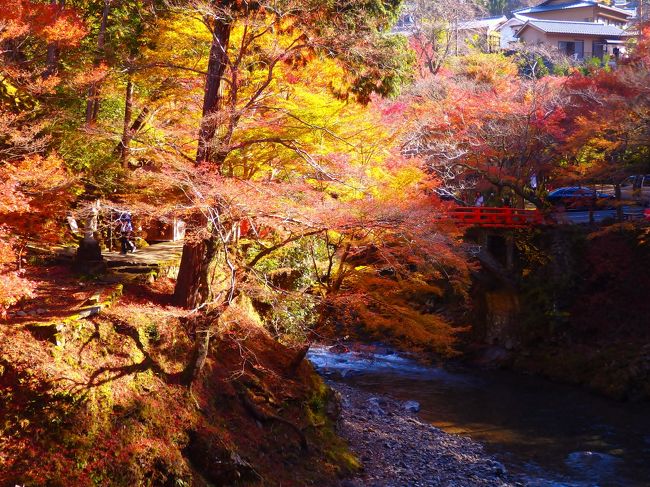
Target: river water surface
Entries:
(546, 434)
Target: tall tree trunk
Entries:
(92, 105)
(298, 359)
(192, 286)
(139, 121)
(200, 352)
(127, 133)
(213, 96)
(13, 49)
(193, 283)
(52, 62)
(619, 208)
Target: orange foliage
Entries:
(611, 113)
(33, 197)
(48, 22)
(504, 132)
(91, 75)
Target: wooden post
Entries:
(89, 254)
(510, 251)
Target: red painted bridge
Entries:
(484, 216)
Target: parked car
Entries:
(636, 188)
(579, 198)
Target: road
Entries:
(582, 217)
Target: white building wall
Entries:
(508, 32)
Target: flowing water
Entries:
(545, 433)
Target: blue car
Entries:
(579, 198)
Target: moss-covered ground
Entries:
(105, 403)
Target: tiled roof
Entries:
(489, 22)
(564, 27)
(568, 5)
(546, 8)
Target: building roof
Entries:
(519, 16)
(513, 22)
(489, 23)
(543, 7)
(565, 27)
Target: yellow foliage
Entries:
(491, 69)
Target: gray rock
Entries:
(339, 349)
(91, 311)
(594, 463)
(21, 313)
(412, 406)
(498, 468)
(375, 406)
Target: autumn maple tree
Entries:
(433, 30)
(484, 122)
(612, 115)
(251, 45)
(34, 182)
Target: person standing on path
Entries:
(126, 231)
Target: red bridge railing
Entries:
(484, 216)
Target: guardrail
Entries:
(485, 216)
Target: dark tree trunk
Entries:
(213, 96)
(52, 62)
(136, 126)
(193, 287)
(127, 133)
(193, 283)
(297, 360)
(92, 93)
(619, 208)
(139, 121)
(13, 49)
(199, 354)
(92, 105)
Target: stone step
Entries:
(113, 264)
(134, 269)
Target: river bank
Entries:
(544, 433)
(575, 310)
(396, 448)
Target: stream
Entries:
(546, 434)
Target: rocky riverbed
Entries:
(397, 449)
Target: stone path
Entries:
(155, 254)
(159, 259)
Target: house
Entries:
(580, 11)
(404, 25)
(508, 31)
(633, 7)
(480, 33)
(579, 40)
(580, 29)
